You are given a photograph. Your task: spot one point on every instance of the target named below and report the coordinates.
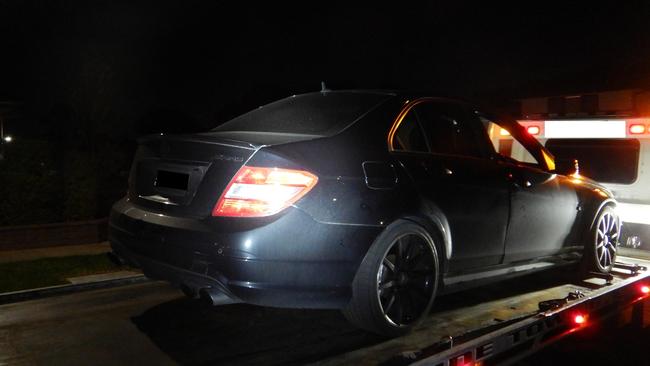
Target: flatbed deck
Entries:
(486, 323)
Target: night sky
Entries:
(137, 65)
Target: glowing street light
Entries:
(3, 139)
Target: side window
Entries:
(409, 136)
(447, 130)
(507, 146)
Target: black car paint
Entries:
(481, 212)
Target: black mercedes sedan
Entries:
(371, 202)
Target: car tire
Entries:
(395, 286)
(602, 243)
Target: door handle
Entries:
(513, 181)
(518, 185)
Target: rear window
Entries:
(604, 160)
(321, 114)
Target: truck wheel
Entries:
(396, 283)
(600, 251)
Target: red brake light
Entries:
(257, 192)
(637, 129)
(533, 130)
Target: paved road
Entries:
(85, 328)
(152, 324)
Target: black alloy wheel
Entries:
(405, 280)
(397, 281)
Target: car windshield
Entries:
(321, 114)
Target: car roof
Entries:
(406, 94)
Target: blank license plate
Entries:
(174, 180)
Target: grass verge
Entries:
(45, 272)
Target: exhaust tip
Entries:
(215, 297)
(189, 291)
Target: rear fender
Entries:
(438, 226)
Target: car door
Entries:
(543, 205)
(451, 172)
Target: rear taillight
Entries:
(257, 192)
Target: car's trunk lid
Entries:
(185, 174)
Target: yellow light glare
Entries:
(504, 132)
(550, 162)
(600, 192)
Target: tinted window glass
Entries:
(447, 130)
(409, 135)
(322, 114)
(604, 160)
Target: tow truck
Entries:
(505, 323)
(604, 136)
(609, 134)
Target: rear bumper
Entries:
(288, 261)
(194, 282)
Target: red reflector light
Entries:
(533, 130)
(637, 129)
(257, 192)
(645, 289)
(580, 319)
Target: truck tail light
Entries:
(258, 192)
(637, 129)
(533, 130)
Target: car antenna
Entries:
(323, 88)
